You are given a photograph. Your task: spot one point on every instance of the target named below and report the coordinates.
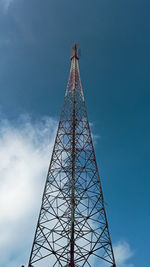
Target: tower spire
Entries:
(72, 228)
(74, 52)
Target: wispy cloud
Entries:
(6, 3)
(123, 254)
(95, 137)
(25, 150)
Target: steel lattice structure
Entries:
(72, 228)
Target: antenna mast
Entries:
(72, 228)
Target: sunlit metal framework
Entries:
(72, 228)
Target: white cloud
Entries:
(24, 158)
(123, 254)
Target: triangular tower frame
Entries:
(72, 228)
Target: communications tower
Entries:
(72, 228)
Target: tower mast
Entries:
(72, 228)
(73, 58)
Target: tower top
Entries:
(74, 52)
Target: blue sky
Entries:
(114, 36)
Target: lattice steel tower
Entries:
(72, 228)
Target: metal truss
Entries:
(72, 228)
